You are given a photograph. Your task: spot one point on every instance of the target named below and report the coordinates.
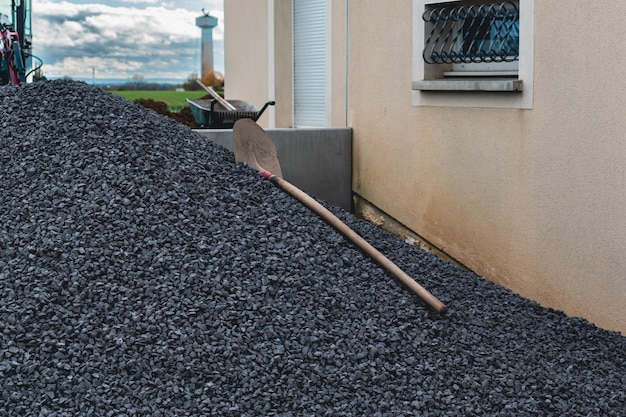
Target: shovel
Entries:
(253, 146)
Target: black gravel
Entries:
(144, 273)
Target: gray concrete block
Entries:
(318, 161)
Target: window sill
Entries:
(469, 84)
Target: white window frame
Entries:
(431, 89)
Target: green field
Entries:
(175, 100)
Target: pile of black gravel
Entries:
(144, 273)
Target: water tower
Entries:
(206, 22)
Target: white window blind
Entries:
(309, 63)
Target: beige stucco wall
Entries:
(246, 50)
(337, 96)
(533, 199)
(282, 72)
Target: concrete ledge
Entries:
(468, 84)
(318, 161)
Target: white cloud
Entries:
(140, 37)
(139, 1)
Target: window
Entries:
(467, 35)
(474, 47)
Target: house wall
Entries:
(247, 62)
(258, 58)
(532, 199)
(337, 93)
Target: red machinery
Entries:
(16, 43)
(12, 68)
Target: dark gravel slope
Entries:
(143, 273)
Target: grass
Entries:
(175, 100)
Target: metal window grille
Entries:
(472, 33)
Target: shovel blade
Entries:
(253, 146)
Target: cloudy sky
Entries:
(123, 38)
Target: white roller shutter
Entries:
(309, 63)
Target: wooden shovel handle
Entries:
(334, 221)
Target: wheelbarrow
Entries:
(211, 114)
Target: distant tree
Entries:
(191, 84)
(213, 79)
(137, 82)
